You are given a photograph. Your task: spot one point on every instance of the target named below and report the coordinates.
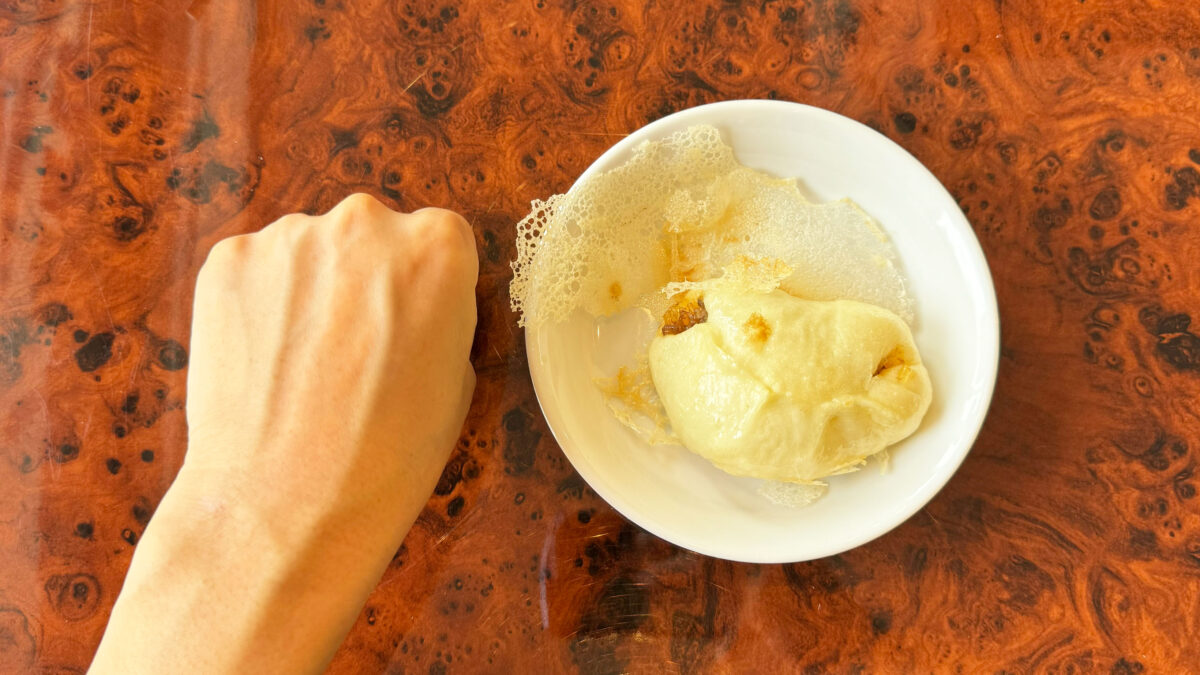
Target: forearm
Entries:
(222, 584)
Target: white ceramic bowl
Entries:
(684, 499)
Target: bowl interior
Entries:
(684, 499)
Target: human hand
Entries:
(328, 380)
(330, 364)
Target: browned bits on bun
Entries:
(686, 310)
(757, 330)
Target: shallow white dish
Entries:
(684, 499)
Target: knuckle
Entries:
(223, 258)
(227, 250)
(357, 205)
(292, 221)
(286, 228)
(444, 229)
(438, 214)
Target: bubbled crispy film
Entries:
(741, 275)
(794, 495)
(681, 209)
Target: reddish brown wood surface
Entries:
(134, 135)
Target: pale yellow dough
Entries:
(775, 387)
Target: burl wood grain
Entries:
(134, 135)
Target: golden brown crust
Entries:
(757, 330)
(686, 310)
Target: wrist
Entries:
(270, 596)
(293, 512)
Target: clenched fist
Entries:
(328, 381)
(329, 359)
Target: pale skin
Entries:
(328, 380)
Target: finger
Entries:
(468, 392)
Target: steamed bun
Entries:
(775, 387)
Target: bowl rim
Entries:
(944, 470)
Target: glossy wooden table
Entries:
(134, 135)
